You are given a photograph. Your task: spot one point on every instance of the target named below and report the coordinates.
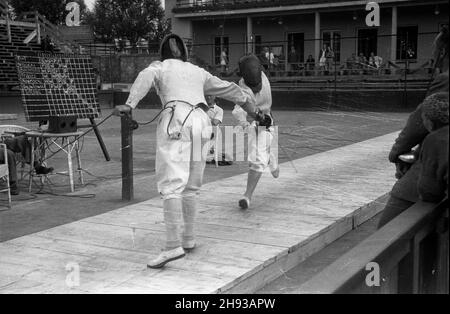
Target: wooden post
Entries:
(8, 28)
(317, 36)
(394, 34)
(127, 158)
(38, 28)
(249, 35)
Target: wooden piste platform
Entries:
(238, 251)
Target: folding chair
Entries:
(4, 174)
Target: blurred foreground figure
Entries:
(405, 193)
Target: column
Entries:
(394, 34)
(317, 36)
(249, 38)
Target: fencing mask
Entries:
(250, 71)
(173, 47)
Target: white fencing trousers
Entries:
(175, 158)
(260, 155)
(180, 165)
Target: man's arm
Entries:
(430, 186)
(229, 91)
(140, 88)
(412, 134)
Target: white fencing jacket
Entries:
(262, 100)
(174, 80)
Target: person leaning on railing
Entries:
(433, 177)
(405, 192)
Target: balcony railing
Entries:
(190, 6)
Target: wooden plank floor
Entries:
(238, 251)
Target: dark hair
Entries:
(435, 108)
(250, 70)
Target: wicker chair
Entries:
(11, 129)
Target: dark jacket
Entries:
(433, 177)
(413, 134)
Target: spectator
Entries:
(352, 64)
(98, 79)
(215, 113)
(224, 60)
(264, 58)
(47, 45)
(362, 60)
(404, 193)
(433, 177)
(142, 45)
(375, 61)
(19, 144)
(310, 63)
(323, 57)
(330, 58)
(293, 59)
(270, 57)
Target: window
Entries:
(258, 45)
(333, 39)
(407, 42)
(367, 41)
(220, 44)
(296, 41)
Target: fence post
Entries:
(442, 285)
(38, 28)
(127, 158)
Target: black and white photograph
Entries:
(227, 153)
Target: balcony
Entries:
(198, 6)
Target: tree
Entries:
(53, 10)
(128, 19)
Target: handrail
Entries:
(48, 27)
(189, 5)
(387, 247)
(4, 8)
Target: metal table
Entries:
(42, 142)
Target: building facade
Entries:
(301, 28)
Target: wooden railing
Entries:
(212, 5)
(44, 26)
(411, 252)
(4, 9)
(4, 14)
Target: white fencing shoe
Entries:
(275, 172)
(188, 245)
(165, 257)
(274, 167)
(244, 203)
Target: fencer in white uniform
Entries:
(182, 132)
(260, 135)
